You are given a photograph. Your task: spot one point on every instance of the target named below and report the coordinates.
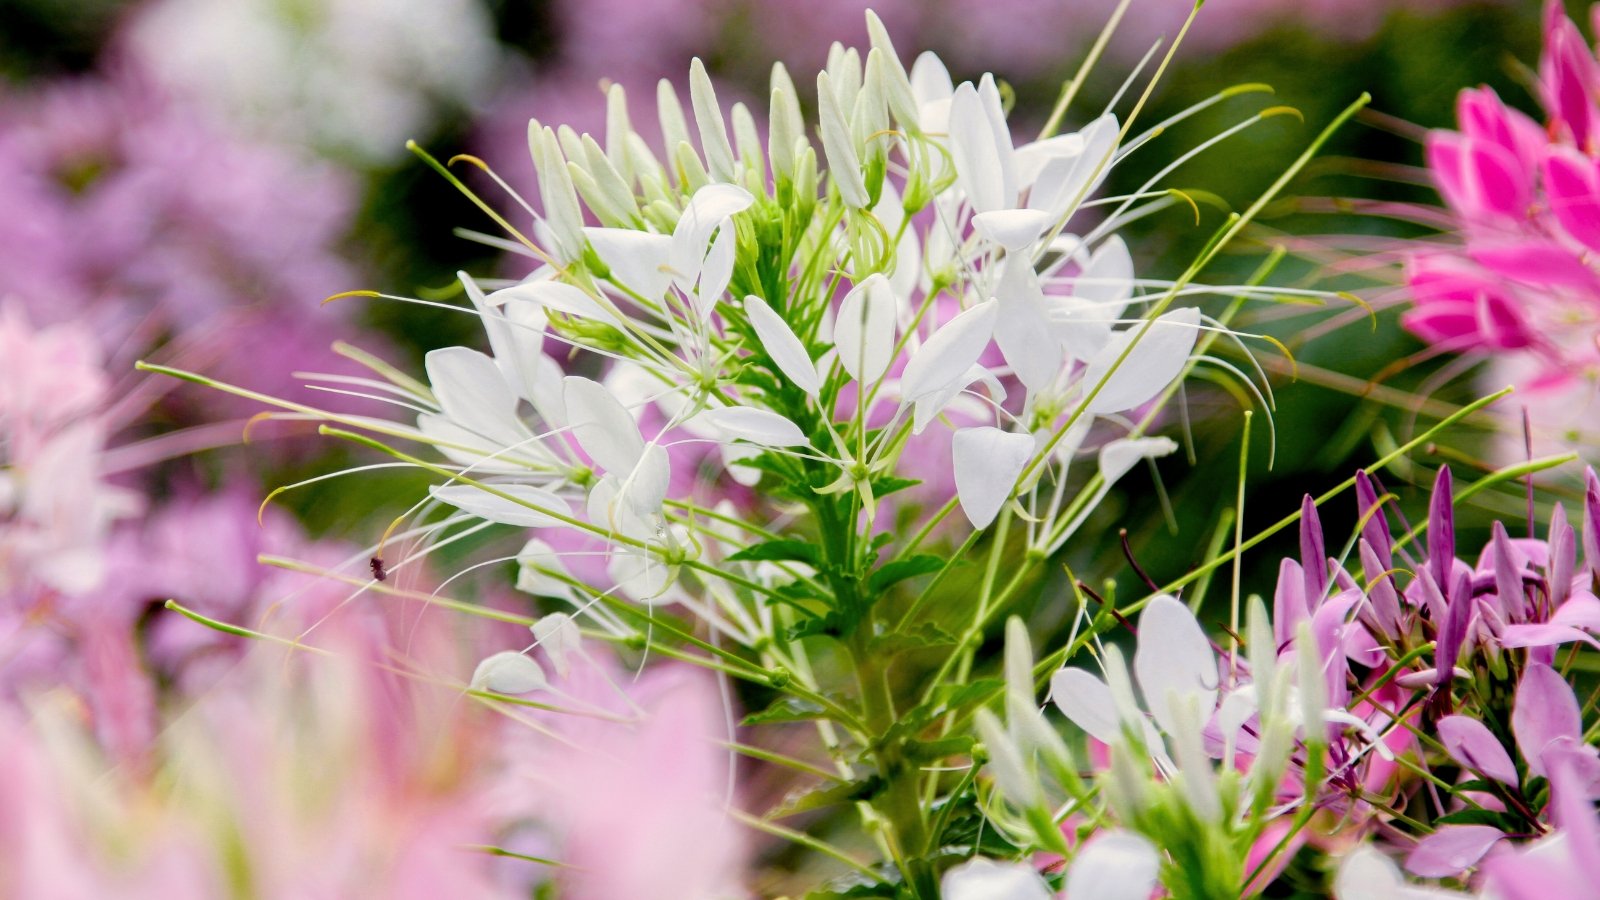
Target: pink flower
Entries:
(631, 787)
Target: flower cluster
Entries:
(1521, 288)
(1408, 704)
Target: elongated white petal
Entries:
(509, 672)
(987, 463)
(1012, 229)
(1119, 456)
(985, 879)
(537, 565)
(646, 488)
(1152, 364)
(473, 393)
(705, 213)
(930, 80)
(781, 344)
(604, 428)
(560, 638)
(1086, 702)
(982, 168)
(1174, 663)
(1022, 328)
(864, 330)
(1114, 865)
(641, 576)
(637, 259)
(535, 514)
(1064, 181)
(844, 164)
(708, 116)
(758, 426)
(558, 296)
(716, 273)
(949, 353)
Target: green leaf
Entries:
(837, 795)
(895, 572)
(921, 637)
(786, 709)
(888, 484)
(781, 551)
(1500, 820)
(939, 750)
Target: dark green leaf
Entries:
(780, 551)
(893, 573)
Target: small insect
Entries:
(378, 571)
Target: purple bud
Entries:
(1375, 527)
(1383, 602)
(1441, 531)
(1591, 522)
(1563, 557)
(1507, 576)
(1289, 607)
(1313, 552)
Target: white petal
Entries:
(758, 426)
(534, 556)
(1067, 180)
(1119, 456)
(844, 165)
(641, 576)
(707, 210)
(1086, 702)
(560, 637)
(645, 490)
(1173, 661)
(980, 155)
(1023, 330)
(781, 344)
(987, 463)
(717, 272)
(508, 672)
(1114, 865)
(1012, 229)
(864, 330)
(1153, 363)
(603, 427)
(708, 116)
(637, 259)
(984, 879)
(732, 455)
(473, 393)
(485, 505)
(558, 296)
(947, 355)
(930, 80)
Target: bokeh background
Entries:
(190, 178)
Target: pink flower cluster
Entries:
(1523, 283)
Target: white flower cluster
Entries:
(806, 325)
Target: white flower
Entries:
(985, 879)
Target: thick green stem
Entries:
(900, 801)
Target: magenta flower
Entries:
(1527, 200)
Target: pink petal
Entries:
(1474, 746)
(1451, 849)
(1545, 710)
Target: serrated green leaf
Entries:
(837, 795)
(895, 572)
(921, 637)
(786, 709)
(780, 551)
